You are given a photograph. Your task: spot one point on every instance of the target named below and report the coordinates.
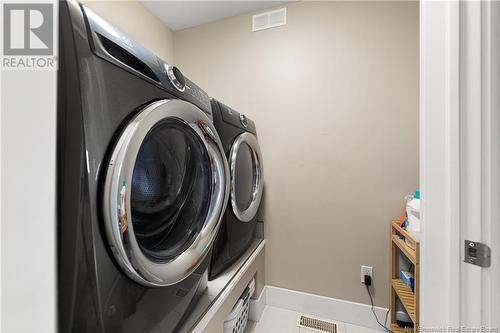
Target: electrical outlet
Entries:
(366, 270)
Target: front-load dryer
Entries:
(239, 139)
(141, 183)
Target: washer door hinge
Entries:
(477, 253)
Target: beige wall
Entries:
(139, 23)
(334, 94)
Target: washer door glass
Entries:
(246, 176)
(165, 192)
(170, 193)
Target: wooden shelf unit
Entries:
(396, 329)
(399, 290)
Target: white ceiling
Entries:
(186, 14)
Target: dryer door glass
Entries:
(170, 193)
(165, 191)
(244, 177)
(245, 162)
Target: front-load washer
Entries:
(239, 139)
(141, 182)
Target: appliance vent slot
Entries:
(271, 19)
(127, 58)
(316, 324)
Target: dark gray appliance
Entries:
(141, 182)
(239, 139)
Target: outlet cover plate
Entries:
(366, 270)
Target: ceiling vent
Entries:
(271, 19)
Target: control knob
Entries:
(176, 78)
(243, 120)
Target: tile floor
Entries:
(277, 320)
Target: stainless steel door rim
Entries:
(250, 140)
(117, 193)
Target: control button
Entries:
(243, 120)
(176, 78)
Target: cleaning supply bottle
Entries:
(413, 214)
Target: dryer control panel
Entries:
(237, 119)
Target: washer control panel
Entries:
(116, 47)
(197, 95)
(179, 85)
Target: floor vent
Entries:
(316, 324)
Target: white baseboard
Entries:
(257, 306)
(318, 306)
